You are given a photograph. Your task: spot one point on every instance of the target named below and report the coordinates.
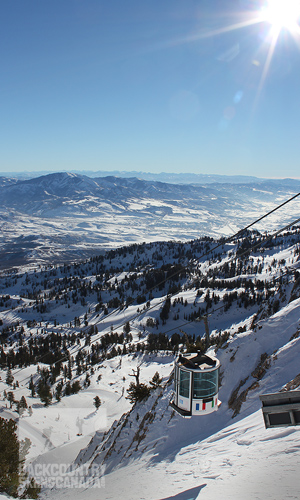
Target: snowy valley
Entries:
(62, 217)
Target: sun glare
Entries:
(275, 16)
(282, 14)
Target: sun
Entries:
(275, 19)
(282, 14)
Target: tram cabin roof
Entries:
(197, 361)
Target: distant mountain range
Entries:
(173, 178)
(63, 216)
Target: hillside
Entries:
(82, 330)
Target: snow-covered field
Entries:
(63, 217)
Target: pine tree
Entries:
(87, 381)
(69, 369)
(155, 381)
(126, 327)
(68, 389)
(31, 387)
(165, 310)
(75, 387)
(22, 405)
(137, 393)
(44, 393)
(12, 459)
(32, 490)
(58, 391)
(97, 402)
(11, 398)
(23, 402)
(9, 457)
(9, 377)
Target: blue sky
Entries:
(147, 86)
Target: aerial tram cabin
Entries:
(196, 385)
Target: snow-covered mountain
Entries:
(63, 216)
(89, 325)
(172, 178)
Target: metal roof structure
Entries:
(281, 409)
(196, 361)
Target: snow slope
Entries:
(159, 455)
(242, 461)
(147, 451)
